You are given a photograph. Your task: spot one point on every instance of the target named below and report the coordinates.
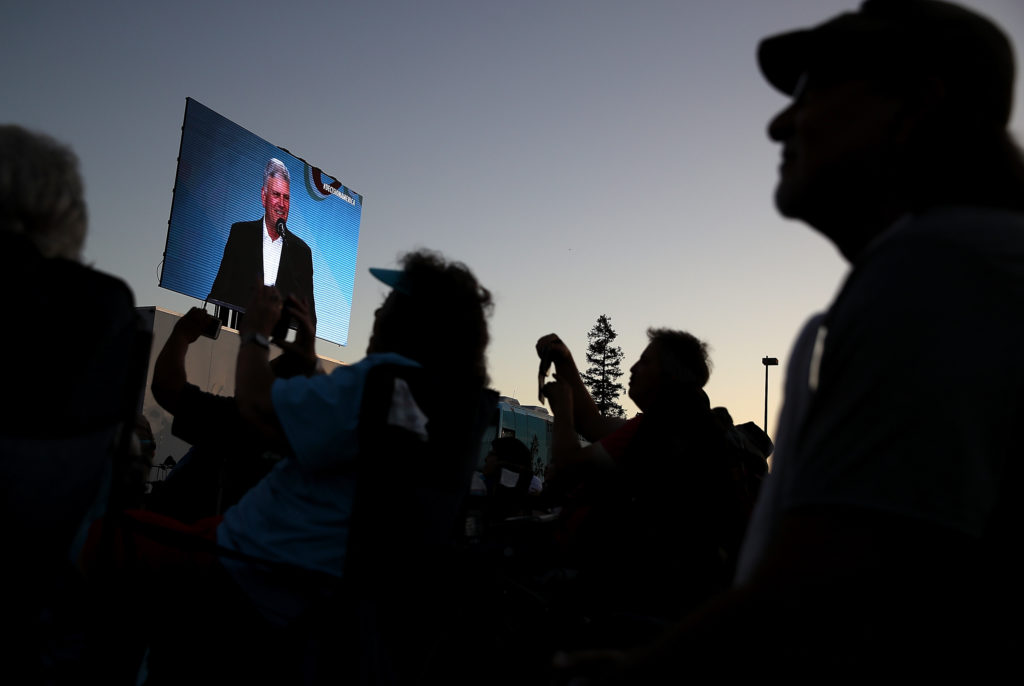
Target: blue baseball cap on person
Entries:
(396, 278)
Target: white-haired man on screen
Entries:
(265, 251)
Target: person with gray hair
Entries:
(275, 169)
(72, 383)
(43, 226)
(266, 251)
(43, 195)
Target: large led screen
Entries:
(247, 212)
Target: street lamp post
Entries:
(767, 362)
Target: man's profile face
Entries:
(645, 377)
(275, 198)
(837, 139)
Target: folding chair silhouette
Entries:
(418, 447)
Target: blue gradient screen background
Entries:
(219, 178)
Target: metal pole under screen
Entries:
(767, 362)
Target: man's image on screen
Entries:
(265, 251)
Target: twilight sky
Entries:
(582, 157)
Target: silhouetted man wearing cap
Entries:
(884, 540)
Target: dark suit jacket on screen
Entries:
(241, 268)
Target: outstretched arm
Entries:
(568, 457)
(253, 375)
(169, 375)
(589, 423)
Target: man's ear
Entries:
(263, 196)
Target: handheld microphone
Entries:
(282, 230)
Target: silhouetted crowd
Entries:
(343, 528)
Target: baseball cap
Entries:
(967, 52)
(396, 278)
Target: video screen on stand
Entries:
(246, 212)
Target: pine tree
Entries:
(603, 372)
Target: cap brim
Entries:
(391, 277)
(850, 43)
(784, 58)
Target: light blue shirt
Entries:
(299, 513)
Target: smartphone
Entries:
(211, 329)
